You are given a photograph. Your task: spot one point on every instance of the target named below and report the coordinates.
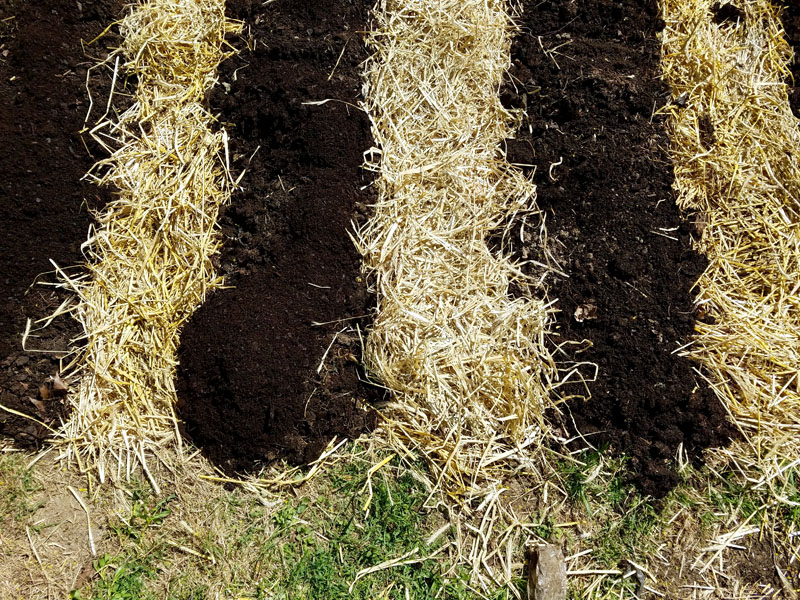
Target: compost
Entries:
(43, 202)
(588, 73)
(252, 384)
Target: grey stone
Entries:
(547, 573)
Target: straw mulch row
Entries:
(588, 74)
(464, 357)
(148, 255)
(735, 144)
(252, 382)
(44, 58)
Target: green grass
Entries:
(615, 521)
(17, 490)
(622, 520)
(311, 546)
(728, 497)
(320, 545)
(124, 575)
(618, 524)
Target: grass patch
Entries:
(237, 544)
(621, 519)
(320, 544)
(609, 521)
(124, 575)
(314, 542)
(17, 490)
(322, 560)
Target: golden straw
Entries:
(149, 255)
(735, 147)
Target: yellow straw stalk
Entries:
(735, 147)
(149, 257)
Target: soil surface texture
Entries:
(250, 386)
(43, 203)
(588, 73)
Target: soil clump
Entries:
(43, 202)
(250, 386)
(588, 74)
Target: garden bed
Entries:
(252, 382)
(271, 364)
(45, 204)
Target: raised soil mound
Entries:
(603, 179)
(249, 387)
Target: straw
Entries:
(149, 254)
(465, 361)
(735, 145)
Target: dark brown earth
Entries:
(791, 23)
(248, 380)
(615, 230)
(43, 203)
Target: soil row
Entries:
(588, 73)
(252, 386)
(44, 205)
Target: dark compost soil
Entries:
(615, 229)
(248, 382)
(43, 203)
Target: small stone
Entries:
(585, 311)
(547, 573)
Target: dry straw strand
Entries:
(149, 254)
(466, 362)
(735, 143)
